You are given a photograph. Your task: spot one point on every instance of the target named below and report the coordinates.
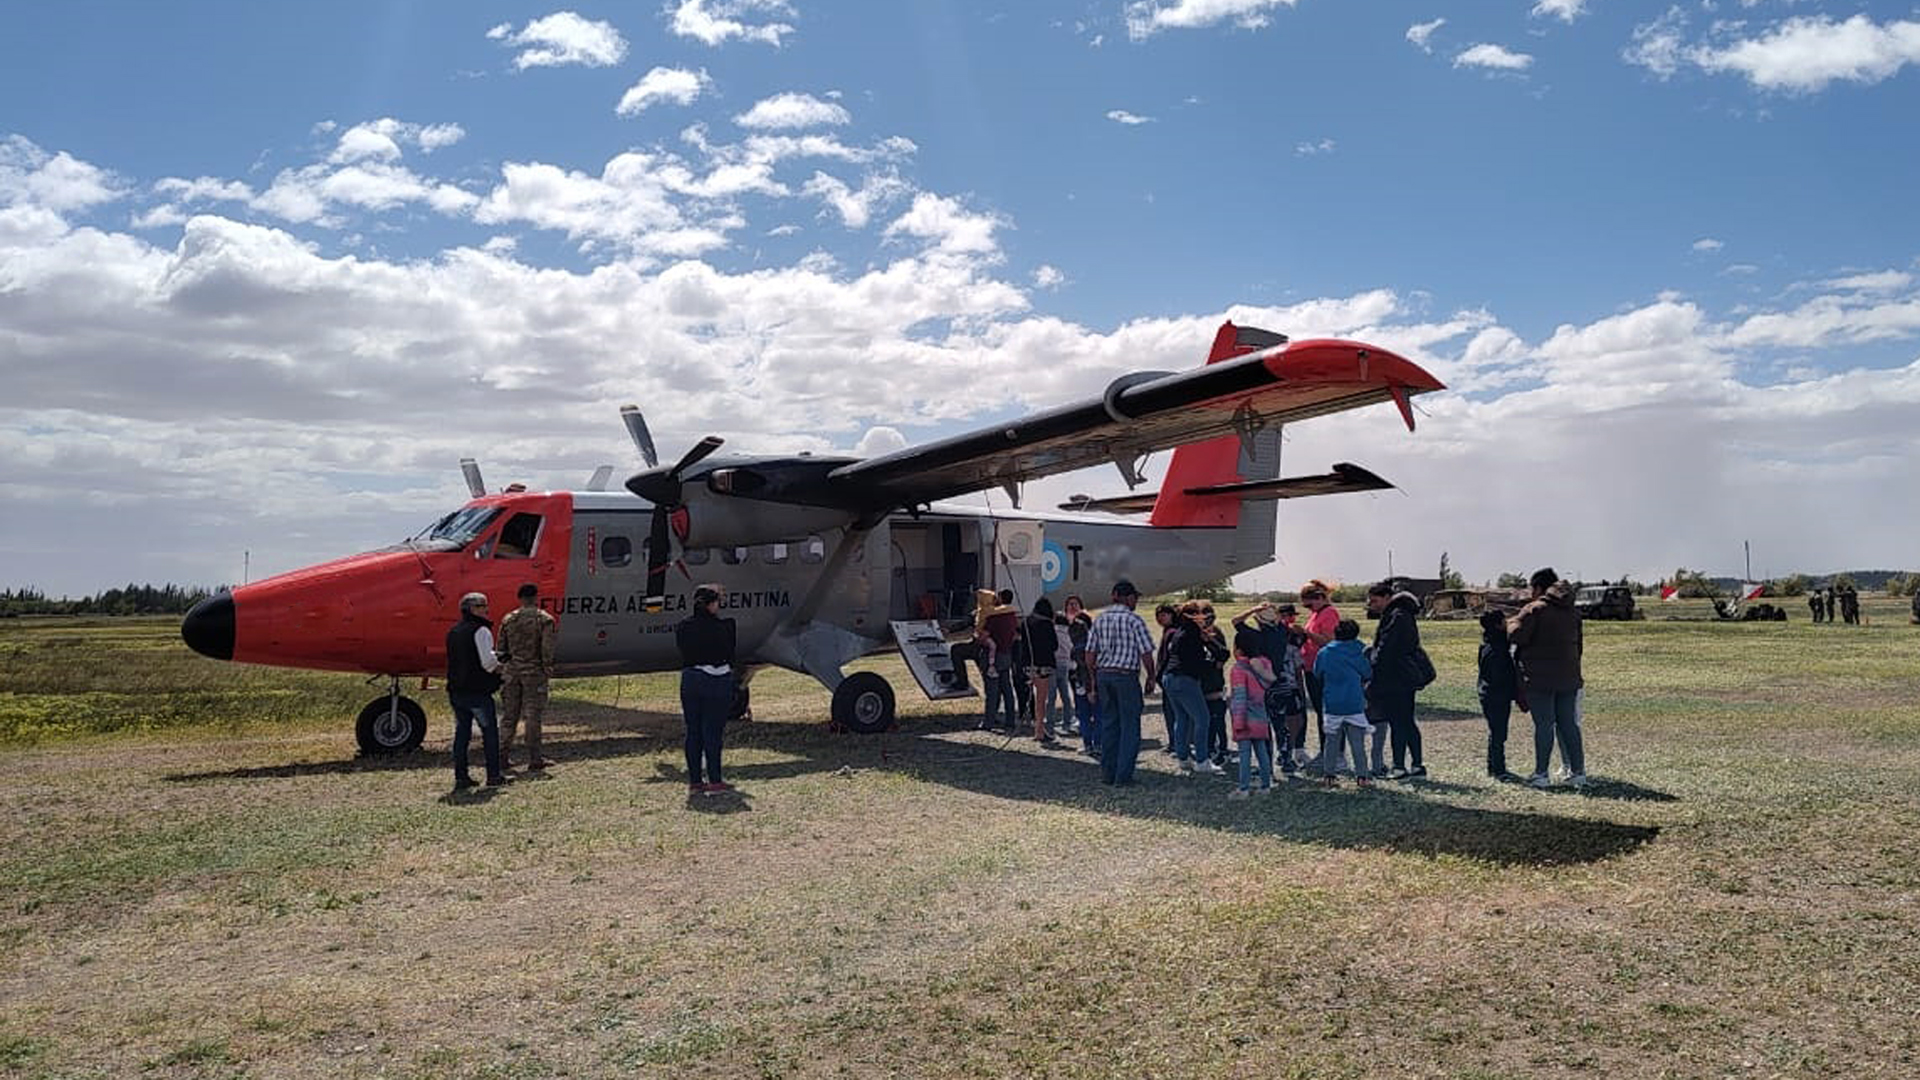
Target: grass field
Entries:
(199, 879)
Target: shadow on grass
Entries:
(1601, 787)
(939, 750)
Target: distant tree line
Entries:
(168, 599)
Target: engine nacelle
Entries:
(720, 521)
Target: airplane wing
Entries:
(1140, 414)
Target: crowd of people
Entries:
(1255, 687)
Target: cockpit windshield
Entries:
(459, 528)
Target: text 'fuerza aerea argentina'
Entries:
(635, 604)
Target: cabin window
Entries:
(517, 537)
(733, 556)
(616, 551)
(697, 556)
(813, 549)
(776, 554)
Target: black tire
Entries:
(863, 704)
(398, 733)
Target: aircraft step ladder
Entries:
(925, 649)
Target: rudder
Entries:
(1215, 461)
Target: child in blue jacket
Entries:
(1344, 673)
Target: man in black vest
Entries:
(472, 677)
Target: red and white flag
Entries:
(1669, 592)
(1752, 590)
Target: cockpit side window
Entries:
(460, 527)
(517, 537)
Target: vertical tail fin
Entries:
(1215, 461)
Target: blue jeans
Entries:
(468, 710)
(705, 700)
(1120, 704)
(1089, 722)
(1557, 713)
(1248, 749)
(1000, 689)
(1187, 710)
(1060, 698)
(1498, 709)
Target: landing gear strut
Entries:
(391, 724)
(863, 704)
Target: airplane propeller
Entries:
(470, 469)
(661, 487)
(642, 438)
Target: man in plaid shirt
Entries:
(1119, 653)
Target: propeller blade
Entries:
(600, 477)
(692, 457)
(642, 438)
(658, 546)
(471, 470)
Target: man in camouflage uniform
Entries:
(525, 648)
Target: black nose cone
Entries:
(208, 628)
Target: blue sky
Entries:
(267, 270)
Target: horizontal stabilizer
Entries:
(1118, 504)
(1344, 477)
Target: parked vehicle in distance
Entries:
(1604, 602)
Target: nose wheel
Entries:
(391, 724)
(863, 704)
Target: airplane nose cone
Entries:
(208, 627)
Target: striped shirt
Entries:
(1119, 639)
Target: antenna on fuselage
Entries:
(601, 477)
(470, 469)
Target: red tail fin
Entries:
(1216, 461)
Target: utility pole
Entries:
(1748, 546)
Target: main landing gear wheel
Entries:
(391, 725)
(863, 703)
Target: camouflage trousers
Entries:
(522, 697)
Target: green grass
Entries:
(199, 878)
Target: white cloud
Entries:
(1310, 149)
(714, 22)
(950, 227)
(562, 38)
(56, 182)
(1881, 281)
(224, 384)
(1564, 10)
(1421, 34)
(1122, 116)
(1707, 243)
(1493, 56)
(855, 207)
(787, 111)
(382, 139)
(1048, 277)
(663, 84)
(1805, 54)
(1148, 17)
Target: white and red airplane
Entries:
(824, 558)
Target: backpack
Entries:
(1423, 672)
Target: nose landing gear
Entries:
(391, 724)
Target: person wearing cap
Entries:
(472, 677)
(707, 644)
(1120, 655)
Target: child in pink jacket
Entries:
(1247, 682)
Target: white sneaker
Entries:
(1207, 767)
(1579, 780)
(1237, 793)
(1301, 757)
(1540, 780)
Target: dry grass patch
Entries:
(239, 896)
